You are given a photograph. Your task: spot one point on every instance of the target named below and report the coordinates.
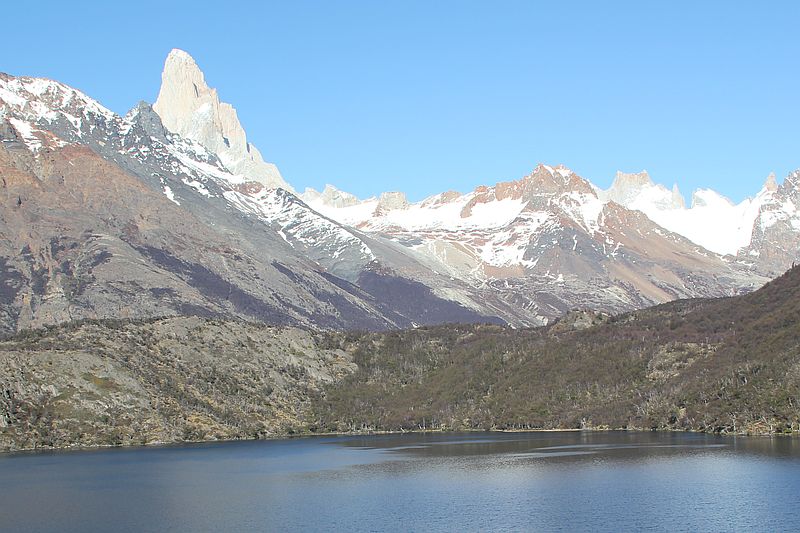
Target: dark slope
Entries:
(729, 364)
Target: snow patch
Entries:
(171, 195)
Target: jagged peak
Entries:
(558, 170)
(144, 115)
(188, 107)
(176, 54)
(392, 200)
(43, 98)
(636, 190)
(630, 180)
(770, 184)
(792, 181)
(677, 198)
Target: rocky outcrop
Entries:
(775, 241)
(168, 380)
(189, 107)
(389, 201)
(330, 196)
(628, 187)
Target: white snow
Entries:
(713, 221)
(302, 225)
(171, 195)
(425, 215)
(196, 185)
(25, 131)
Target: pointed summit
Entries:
(770, 184)
(189, 107)
(677, 198)
(330, 196)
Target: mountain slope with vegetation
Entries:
(726, 365)
(116, 382)
(722, 365)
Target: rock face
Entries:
(627, 189)
(168, 380)
(548, 243)
(718, 224)
(330, 196)
(776, 228)
(111, 216)
(188, 107)
(107, 217)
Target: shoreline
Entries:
(165, 444)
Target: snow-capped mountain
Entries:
(190, 108)
(775, 241)
(549, 241)
(761, 233)
(170, 210)
(712, 221)
(108, 216)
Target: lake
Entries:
(539, 481)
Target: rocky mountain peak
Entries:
(389, 201)
(43, 99)
(632, 179)
(144, 115)
(330, 196)
(677, 197)
(544, 179)
(771, 184)
(635, 188)
(189, 107)
(627, 185)
(792, 182)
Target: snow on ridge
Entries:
(712, 221)
(424, 216)
(304, 225)
(45, 98)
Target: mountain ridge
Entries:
(522, 252)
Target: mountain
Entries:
(712, 221)
(549, 242)
(191, 109)
(170, 210)
(718, 365)
(107, 217)
(762, 231)
(775, 240)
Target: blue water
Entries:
(613, 481)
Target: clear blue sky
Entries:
(430, 96)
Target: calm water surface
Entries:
(438, 482)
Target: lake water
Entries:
(614, 481)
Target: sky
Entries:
(426, 96)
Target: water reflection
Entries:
(543, 481)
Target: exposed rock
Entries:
(168, 380)
(627, 187)
(330, 196)
(389, 201)
(770, 184)
(188, 106)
